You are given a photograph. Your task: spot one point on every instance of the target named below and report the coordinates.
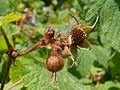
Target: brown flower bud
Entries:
(54, 63)
(49, 33)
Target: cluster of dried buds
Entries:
(63, 45)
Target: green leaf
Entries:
(86, 59)
(11, 29)
(102, 55)
(36, 76)
(109, 26)
(109, 85)
(115, 65)
(17, 71)
(2, 67)
(4, 7)
(3, 44)
(10, 18)
(93, 11)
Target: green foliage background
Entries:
(105, 45)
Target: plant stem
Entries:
(9, 61)
(35, 46)
(53, 77)
(5, 37)
(39, 44)
(6, 72)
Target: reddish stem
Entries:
(53, 77)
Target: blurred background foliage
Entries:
(103, 58)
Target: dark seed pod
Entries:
(76, 35)
(54, 63)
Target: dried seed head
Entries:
(54, 63)
(76, 36)
(49, 33)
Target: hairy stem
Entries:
(35, 46)
(9, 62)
(6, 72)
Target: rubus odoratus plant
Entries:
(61, 46)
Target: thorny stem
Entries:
(9, 62)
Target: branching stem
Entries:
(9, 61)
